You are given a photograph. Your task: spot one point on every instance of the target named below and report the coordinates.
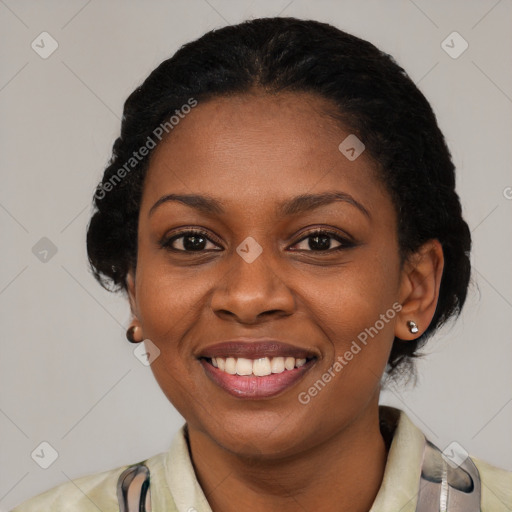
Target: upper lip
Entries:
(255, 348)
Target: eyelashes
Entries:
(198, 238)
(197, 241)
(320, 236)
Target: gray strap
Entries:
(133, 489)
(448, 483)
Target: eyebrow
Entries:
(294, 206)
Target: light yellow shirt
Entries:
(174, 486)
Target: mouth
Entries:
(260, 367)
(257, 369)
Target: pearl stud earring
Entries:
(413, 328)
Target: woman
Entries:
(280, 210)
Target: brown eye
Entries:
(322, 241)
(190, 241)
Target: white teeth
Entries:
(257, 367)
(289, 363)
(230, 366)
(243, 366)
(277, 365)
(261, 367)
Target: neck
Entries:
(342, 473)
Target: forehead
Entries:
(256, 146)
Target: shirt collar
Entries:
(398, 491)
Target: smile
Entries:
(256, 367)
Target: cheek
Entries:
(169, 306)
(168, 301)
(357, 317)
(357, 311)
(354, 298)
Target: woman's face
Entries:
(266, 174)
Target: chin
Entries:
(271, 437)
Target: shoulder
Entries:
(429, 466)
(496, 487)
(92, 492)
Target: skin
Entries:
(252, 152)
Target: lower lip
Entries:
(253, 387)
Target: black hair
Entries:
(368, 91)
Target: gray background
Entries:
(67, 374)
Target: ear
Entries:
(419, 289)
(130, 283)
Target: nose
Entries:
(252, 292)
